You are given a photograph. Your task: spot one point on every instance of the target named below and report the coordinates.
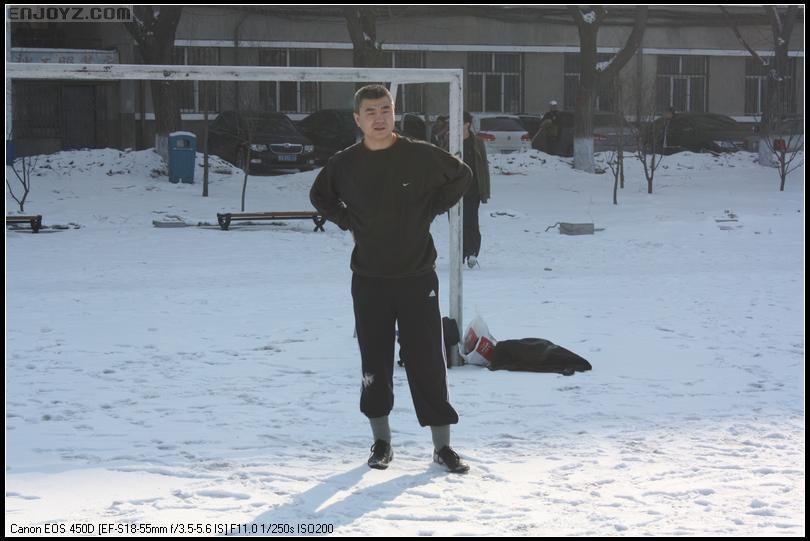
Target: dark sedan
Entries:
(605, 132)
(531, 123)
(274, 141)
(331, 130)
(700, 132)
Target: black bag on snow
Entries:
(536, 355)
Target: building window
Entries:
(681, 82)
(604, 100)
(198, 96)
(494, 82)
(37, 111)
(289, 96)
(410, 98)
(756, 87)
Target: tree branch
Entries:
(576, 14)
(776, 23)
(733, 25)
(630, 47)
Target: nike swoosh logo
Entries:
(406, 184)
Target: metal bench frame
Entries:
(34, 221)
(224, 220)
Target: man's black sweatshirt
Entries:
(388, 199)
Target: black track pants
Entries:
(471, 228)
(413, 305)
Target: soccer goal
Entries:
(190, 73)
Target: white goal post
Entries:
(396, 76)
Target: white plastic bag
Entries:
(477, 345)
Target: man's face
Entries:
(466, 130)
(376, 118)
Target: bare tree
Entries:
(247, 145)
(237, 48)
(592, 77)
(614, 163)
(615, 156)
(776, 67)
(204, 91)
(621, 145)
(648, 133)
(26, 166)
(246, 165)
(154, 30)
(786, 144)
(362, 24)
(367, 51)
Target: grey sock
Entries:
(380, 428)
(441, 436)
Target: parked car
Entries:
(608, 129)
(699, 132)
(531, 123)
(274, 141)
(606, 132)
(501, 134)
(331, 130)
(413, 126)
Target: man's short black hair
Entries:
(370, 92)
(467, 118)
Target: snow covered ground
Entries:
(196, 376)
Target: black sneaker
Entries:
(450, 460)
(381, 455)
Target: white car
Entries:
(502, 134)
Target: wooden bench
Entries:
(34, 221)
(225, 219)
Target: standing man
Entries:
(550, 130)
(475, 156)
(386, 190)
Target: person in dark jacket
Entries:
(386, 190)
(475, 156)
(550, 130)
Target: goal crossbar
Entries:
(396, 76)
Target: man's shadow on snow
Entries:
(306, 508)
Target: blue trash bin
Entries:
(182, 157)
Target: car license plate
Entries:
(287, 158)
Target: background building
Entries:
(515, 61)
